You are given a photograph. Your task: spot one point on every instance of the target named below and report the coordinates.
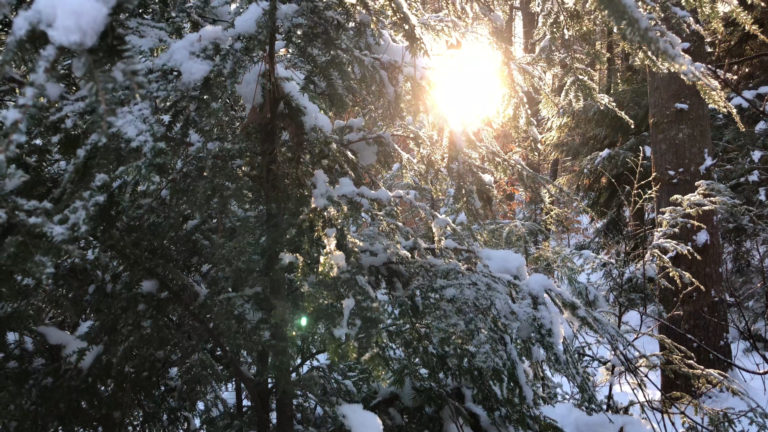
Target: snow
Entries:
(357, 419)
(53, 91)
(761, 127)
(400, 55)
(441, 222)
(149, 286)
(681, 107)
(346, 187)
(572, 419)
(339, 259)
(756, 155)
(603, 154)
(183, 53)
(14, 177)
(341, 331)
(10, 116)
(74, 24)
(246, 22)
(321, 192)
(248, 88)
(708, 162)
(313, 118)
(287, 258)
(366, 153)
(70, 345)
(285, 11)
(539, 284)
(701, 238)
(450, 244)
(749, 94)
(739, 101)
(504, 262)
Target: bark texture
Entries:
(696, 318)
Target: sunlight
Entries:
(467, 84)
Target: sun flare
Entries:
(467, 85)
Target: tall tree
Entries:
(694, 301)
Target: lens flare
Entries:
(467, 85)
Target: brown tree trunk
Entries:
(272, 182)
(696, 319)
(610, 69)
(529, 26)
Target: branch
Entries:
(741, 60)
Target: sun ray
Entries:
(467, 85)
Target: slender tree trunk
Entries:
(696, 318)
(529, 26)
(272, 182)
(610, 69)
(529, 20)
(262, 404)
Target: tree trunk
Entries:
(529, 26)
(610, 68)
(272, 182)
(696, 319)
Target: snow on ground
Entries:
(572, 419)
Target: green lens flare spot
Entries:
(303, 321)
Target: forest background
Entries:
(234, 215)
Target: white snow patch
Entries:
(341, 331)
(701, 238)
(572, 419)
(74, 24)
(603, 154)
(681, 107)
(357, 419)
(761, 127)
(249, 89)
(539, 284)
(247, 22)
(647, 151)
(287, 258)
(322, 191)
(70, 345)
(183, 53)
(504, 262)
(366, 153)
(708, 162)
(149, 286)
(739, 101)
(441, 222)
(291, 82)
(450, 244)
